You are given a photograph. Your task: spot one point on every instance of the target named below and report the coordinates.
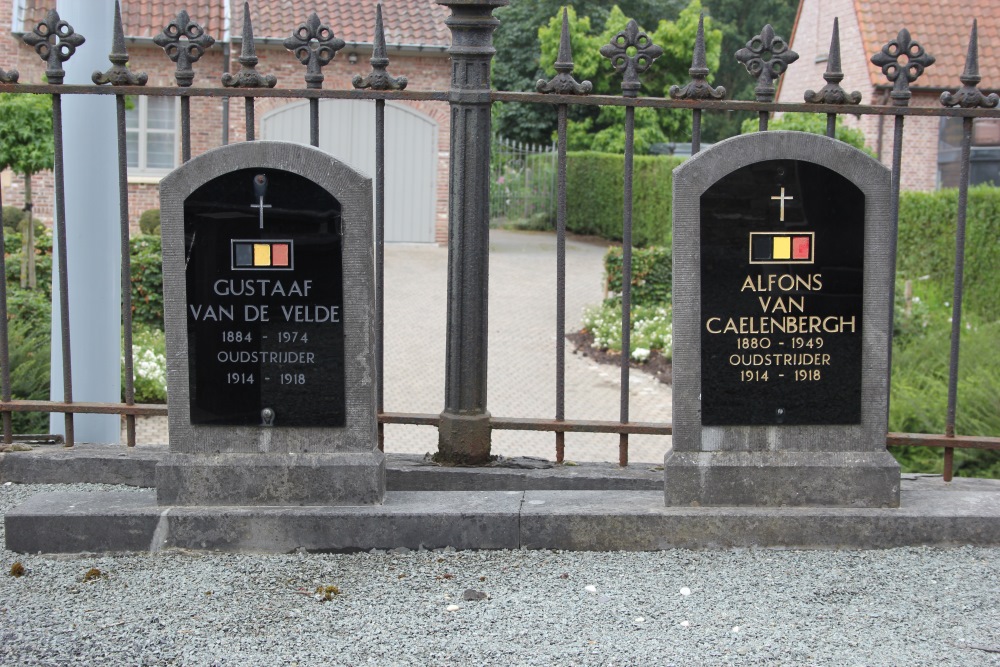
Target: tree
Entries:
(26, 148)
(740, 21)
(602, 128)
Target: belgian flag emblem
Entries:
(782, 247)
(267, 255)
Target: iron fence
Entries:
(631, 53)
(522, 183)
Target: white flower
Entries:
(640, 354)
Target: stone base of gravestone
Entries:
(783, 272)
(268, 275)
(271, 479)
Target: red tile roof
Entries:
(942, 27)
(411, 22)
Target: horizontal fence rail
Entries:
(630, 52)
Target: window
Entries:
(151, 135)
(984, 162)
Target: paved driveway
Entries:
(522, 340)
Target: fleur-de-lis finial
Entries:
(698, 88)
(248, 76)
(119, 74)
(55, 41)
(379, 78)
(832, 93)
(766, 57)
(631, 66)
(563, 82)
(184, 52)
(902, 75)
(969, 96)
(314, 45)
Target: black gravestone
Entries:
(264, 282)
(782, 262)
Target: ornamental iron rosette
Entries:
(187, 51)
(119, 74)
(55, 42)
(698, 88)
(379, 78)
(314, 45)
(248, 76)
(766, 57)
(630, 66)
(902, 75)
(9, 77)
(969, 96)
(563, 82)
(832, 93)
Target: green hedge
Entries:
(595, 196)
(147, 281)
(927, 243)
(652, 274)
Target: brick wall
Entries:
(424, 72)
(811, 40)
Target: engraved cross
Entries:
(260, 188)
(782, 198)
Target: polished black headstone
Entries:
(264, 281)
(782, 261)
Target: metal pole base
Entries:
(464, 439)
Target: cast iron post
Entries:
(464, 431)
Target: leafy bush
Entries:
(813, 123)
(29, 367)
(12, 217)
(149, 359)
(652, 274)
(147, 282)
(13, 249)
(149, 222)
(652, 329)
(927, 244)
(595, 196)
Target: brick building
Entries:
(942, 27)
(417, 139)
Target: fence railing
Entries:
(522, 182)
(631, 53)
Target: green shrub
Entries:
(149, 222)
(927, 244)
(147, 282)
(29, 368)
(652, 329)
(813, 123)
(13, 249)
(12, 217)
(595, 196)
(652, 274)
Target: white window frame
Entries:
(141, 173)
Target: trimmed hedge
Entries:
(927, 244)
(652, 274)
(147, 281)
(595, 196)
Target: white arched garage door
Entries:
(347, 131)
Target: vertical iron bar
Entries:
(949, 463)
(379, 261)
(185, 128)
(561, 281)
(695, 131)
(226, 57)
(5, 391)
(956, 303)
(762, 121)
(57, 143)
(626, 280)
(314, 120)
(248, 105)
(831, 125)
(897, 160)
(126, 275)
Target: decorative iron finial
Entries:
(698, 88)
(119, 74)
(969, 96)
(378, 78)
(9, 77)
(917, 59)
(563, 82)
(196, 42)
(314, 45)
(631, 66)
(766, 57)
(832, 93)
(248, 76)
(55, 41)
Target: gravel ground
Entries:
(897, 607)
